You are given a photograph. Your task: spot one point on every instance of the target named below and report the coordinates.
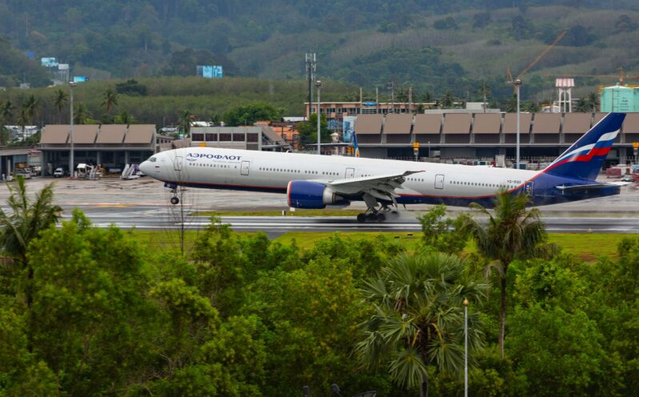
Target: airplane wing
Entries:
(381, 187)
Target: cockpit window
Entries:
(152, 159)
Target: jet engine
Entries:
(312, 195)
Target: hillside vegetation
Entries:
(462, 46)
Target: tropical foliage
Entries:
(242, 315)
(510, 232)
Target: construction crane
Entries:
(517, 89)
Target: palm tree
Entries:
(510, 232)
(418, 317)
(185, 121)
(6, 109)
(124, 118)
(60, 100)
(23, 222)
(80, 114)
(27, 112)
(110, 99)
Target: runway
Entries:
(144, 205)
(282, 224)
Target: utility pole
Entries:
(310, 67)
(72, 85)
(318, 116)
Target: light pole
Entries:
(72, 85)
(318, 116)
(517, 86)
(465, 364)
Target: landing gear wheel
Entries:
(361, 217)
(174, 200)
(379, 217)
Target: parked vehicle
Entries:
(59, 172)
(24, 173)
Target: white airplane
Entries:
(316, 181)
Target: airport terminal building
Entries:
(443, 136)
(109, 145)
(483, 136)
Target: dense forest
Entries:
(89, 311)
(464, 47)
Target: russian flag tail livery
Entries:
(584, 159)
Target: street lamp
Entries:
(465, 373)
(517, 87)
(318, 116)
(72, 85)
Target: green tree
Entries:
(93, 319)
(310, 314)
(186, 119)
(21, 224)
(60, 101)
(417, 323)
(6, 112)
(20, 373)
(613, 302)
(308, 129)
(109, 99)
(250, 114)
(81, 115)
(510, 232)
(589, 103)
(124, 118)
(558, 352)
(27, 113)
(442, 233)
(221, 265)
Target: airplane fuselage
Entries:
(433, 183)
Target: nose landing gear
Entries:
(175, 193)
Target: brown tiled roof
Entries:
(398, 124)
(367, 124)
(547, 123)
(85, 133)
(631, 124)
(140, 133)
(576, 123)
(427, 124)
(457, 123)
(486, 123)
(509, 123)
(111, 133)
(55, 134)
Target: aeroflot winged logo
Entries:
(193, 156)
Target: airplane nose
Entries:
(144, 167)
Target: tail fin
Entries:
(357, 152)
(584, 159)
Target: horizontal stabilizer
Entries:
(570, 188)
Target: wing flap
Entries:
(381, 187)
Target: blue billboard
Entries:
(49, 62)
(209, 71)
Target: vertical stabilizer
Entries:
(584, 159)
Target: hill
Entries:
(461, 46)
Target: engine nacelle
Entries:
(312, 195)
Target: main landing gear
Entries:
(375, 213)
